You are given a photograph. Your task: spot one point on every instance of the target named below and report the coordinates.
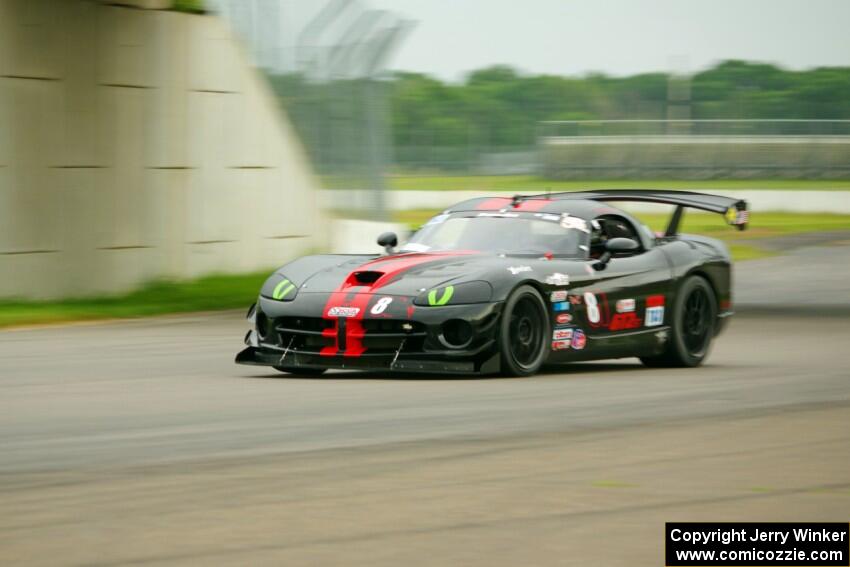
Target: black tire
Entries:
(524, 333)
(301, 371)
(693, 323)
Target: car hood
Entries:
(398, 274)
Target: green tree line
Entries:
(499, 107)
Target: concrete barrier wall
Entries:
(138, 144)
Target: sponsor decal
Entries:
(548, 217)
(282, 289)
(433, 300)
(499, 214)
(381, 305)
(575, 299)
(519, 269)
(558, 279)
(622, 321)
(343, 311)
(562, 334)
(654, 316)
(561, 306)
(625, 305)
(563, 318)
(557, 296)
(560, 345)
(579, 340)
(654, 310)
(574, 223)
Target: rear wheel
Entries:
(692, 326)
(301, 371)
(524, 336)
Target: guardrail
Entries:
(720, 127)
(694, 149)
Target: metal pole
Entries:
(377, 123)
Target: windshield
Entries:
(503, 233)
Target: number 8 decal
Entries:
(593, 314)
(381, 305)
(596, 308)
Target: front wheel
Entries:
(524, 333)
(692, 326)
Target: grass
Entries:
(763, 225)
(531, 183)
(743, 252)
(158, 298)
(192, 6)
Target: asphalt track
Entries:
(140, 442)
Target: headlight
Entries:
(460, 294)
(280, 288)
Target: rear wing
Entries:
(735, 211)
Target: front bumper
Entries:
(289, 335)
(440, 363)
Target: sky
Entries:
(618, 37)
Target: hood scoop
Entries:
(366, 277)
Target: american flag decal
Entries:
(742, 217)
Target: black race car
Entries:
(505, 285)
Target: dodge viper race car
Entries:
(506, 285)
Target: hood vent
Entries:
(364, 278)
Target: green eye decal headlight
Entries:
(459, 294)
(448, 292)
(280, 288)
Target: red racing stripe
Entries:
(352, 294)
(495, 203)
(499, 203)
(532, 205)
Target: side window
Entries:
(606, 227)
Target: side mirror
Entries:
(389, 241)
(615, 246)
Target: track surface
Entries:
(141, 442)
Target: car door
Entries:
(623, 305)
